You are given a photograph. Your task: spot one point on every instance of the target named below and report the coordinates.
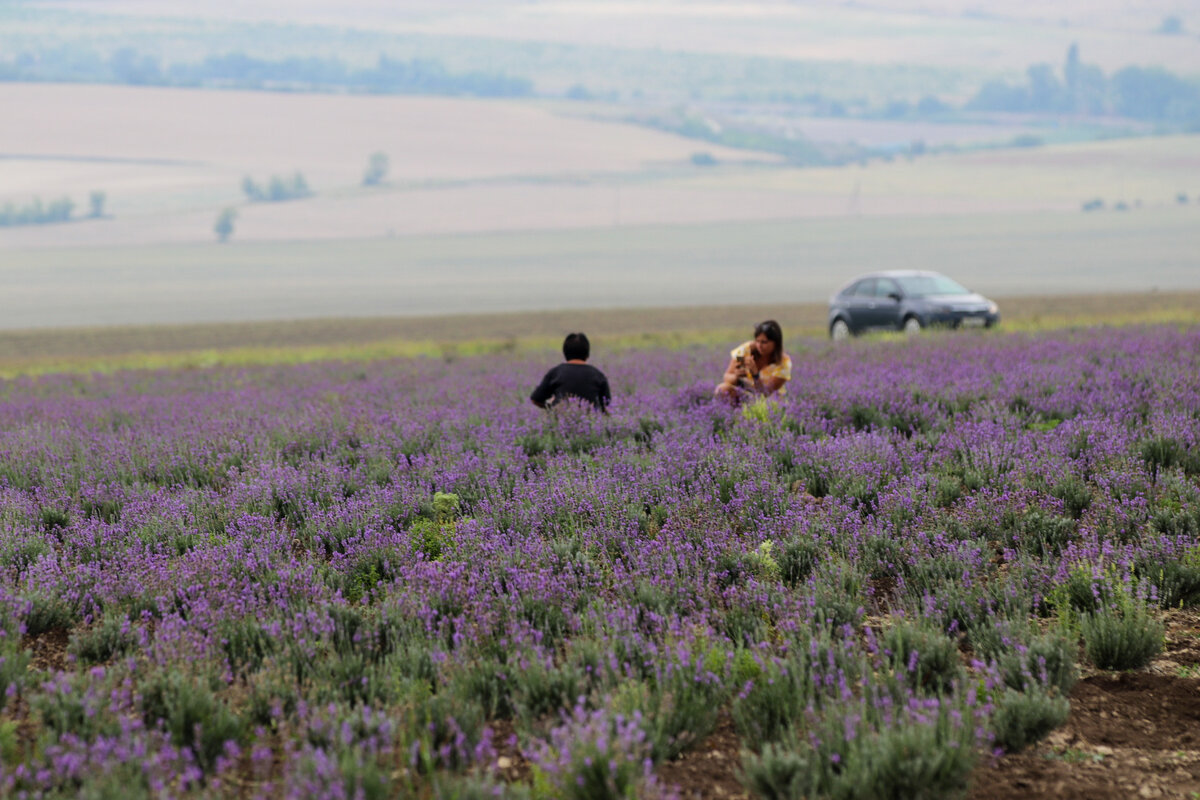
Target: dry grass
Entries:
(175, 346)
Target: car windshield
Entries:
(927, 285)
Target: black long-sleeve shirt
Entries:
(573, 380)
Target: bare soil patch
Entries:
(49, 649)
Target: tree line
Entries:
(1150, 94)
(238, 70)
(36, 212)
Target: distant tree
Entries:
(1155, 94)
(97, 200)
(252, 190)
(277, 190)
(930, 104)
(1172, 26)
(224, 225)
(578, 91)
(1045, 92)
(377, 168)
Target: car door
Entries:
(858, 302)
(886, 312)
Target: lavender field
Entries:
(400, 579)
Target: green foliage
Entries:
(76, 705)
(679, 707)
(926, 659)
(429, 538)
(188, 709)
(1176, 582)
(540, 689)
(223, 227)
(109, 638)
(1022, 718)
(1075, 495)
(96, 201)
(14, 667)
(36, 212)
(377, 169)
(1122, 638)
(773, 703)
(1162, 453)
(1043, 534)
(48, 613)
(55, 518)
(853, 755)
(797, 558)
(277, 190)
(1048, 660)
(475, 787)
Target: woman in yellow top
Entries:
(758, 366)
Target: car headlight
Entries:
(993, 308)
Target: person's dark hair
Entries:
(576, 347)
(771, 330)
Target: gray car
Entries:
(906, 300)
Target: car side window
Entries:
(885, 287)
(865, 288)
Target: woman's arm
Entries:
(733, 373)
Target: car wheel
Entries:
(839, 331)
(912, 325)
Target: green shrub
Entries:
(1122, 638)
(47, 613)
(1164, 452)
(14, 667)
(1022, 718)
(947, 492)
(1047, 661)
(797, 558)
(539, 689)
(76, 705)
(927, 659)
(1074, 493)
(191, 713)
(1176, 582)
(110, 638)
(1044, 534)
(852, 753)
(55, 519)
(475, 787)
(774, 702)
(679, 707)
(430, 538)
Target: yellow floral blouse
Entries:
(782, 369)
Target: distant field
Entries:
(798, 260)
(170, 159)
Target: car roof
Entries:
(889, 273)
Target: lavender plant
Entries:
(398, 541)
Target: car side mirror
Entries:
(895, 296)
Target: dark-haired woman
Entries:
(758, 366)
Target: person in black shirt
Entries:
(575, 378)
